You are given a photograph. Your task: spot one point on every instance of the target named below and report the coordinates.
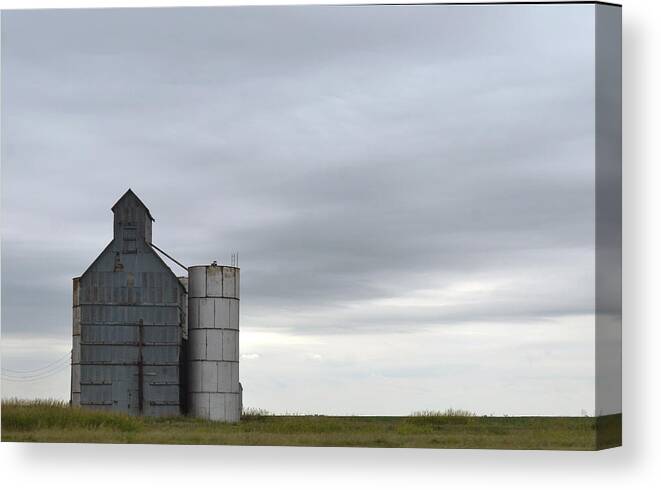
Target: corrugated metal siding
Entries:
(75, 349)
(120, 294)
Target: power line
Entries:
(40, 373)
(53, 368)
(36, 377)
(43, 368)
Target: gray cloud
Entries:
(333, 147)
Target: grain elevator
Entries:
(146, 342)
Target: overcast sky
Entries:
(410, 189)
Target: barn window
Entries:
(130, 245)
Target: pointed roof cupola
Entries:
(132, 219)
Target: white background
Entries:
(636, 465)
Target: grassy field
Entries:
(46, 421)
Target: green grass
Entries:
(51, 421)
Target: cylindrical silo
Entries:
(213, 343)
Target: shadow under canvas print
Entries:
(360, 225)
